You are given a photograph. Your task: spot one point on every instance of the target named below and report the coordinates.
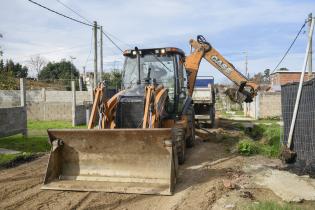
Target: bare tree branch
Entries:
(37, 63)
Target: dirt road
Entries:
(20, 186)
(200, 185)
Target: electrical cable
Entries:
(112, 42)
(66, 6)
(73, 19)
(58, 13)
(286, 53)
(87, 59)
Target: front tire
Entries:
(190, 141)
(179, 139)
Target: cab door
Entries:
(181, 83)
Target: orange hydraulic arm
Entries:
(202, 49)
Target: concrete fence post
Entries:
(23, 92)
(80, 83)
(87, 115)
(257, 106)
(23, 104)
(44, 94)
(73, 103)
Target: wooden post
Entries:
(73, 103)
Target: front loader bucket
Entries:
(112, 160)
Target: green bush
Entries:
(248, 147)
(269, 139)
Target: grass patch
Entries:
(267, 142)
(269, 205)
(44, 125)
(29, 144)
(36, 142)
(247, 147)
(10, 160)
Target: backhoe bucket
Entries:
(112, 160)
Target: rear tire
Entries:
(212, 116)
(179, 139)
(190, 141)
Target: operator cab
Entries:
(163, 66)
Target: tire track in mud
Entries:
(194, 189)
(36, 167)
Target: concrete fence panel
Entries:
(13, 121)
(265, 105)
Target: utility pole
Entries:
(95, 54)
(309, 58)
(101, 49)
(246, 63)
(71, 69)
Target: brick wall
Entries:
(281, 78)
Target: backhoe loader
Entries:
(136, 139)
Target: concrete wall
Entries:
(80, 116)
(13, 121)
(265, 105)
(48, 105)
(11, 98)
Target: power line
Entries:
(87, 59)
(73, 19)
(66, 6)
(286, 53)
(58, 13)
(115, 37)
(112, 42)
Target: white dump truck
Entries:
(204, 101)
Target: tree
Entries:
(267, 75)
(283, 69)
(14, 69)
(1, 66)
(258, 78)
(113, 79)
(63, 70)
(37, 63)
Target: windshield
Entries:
(161, 69)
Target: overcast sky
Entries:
(263, 29)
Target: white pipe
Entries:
(298, 97)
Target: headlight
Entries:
(162, 51)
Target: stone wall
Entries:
(265, 105)
(13, 121)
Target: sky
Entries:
(262, 29)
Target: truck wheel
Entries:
(179, 139)
(212, 116)
(191, 123)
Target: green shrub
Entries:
(248, 147)
(269, 139)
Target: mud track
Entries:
(199, 185)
